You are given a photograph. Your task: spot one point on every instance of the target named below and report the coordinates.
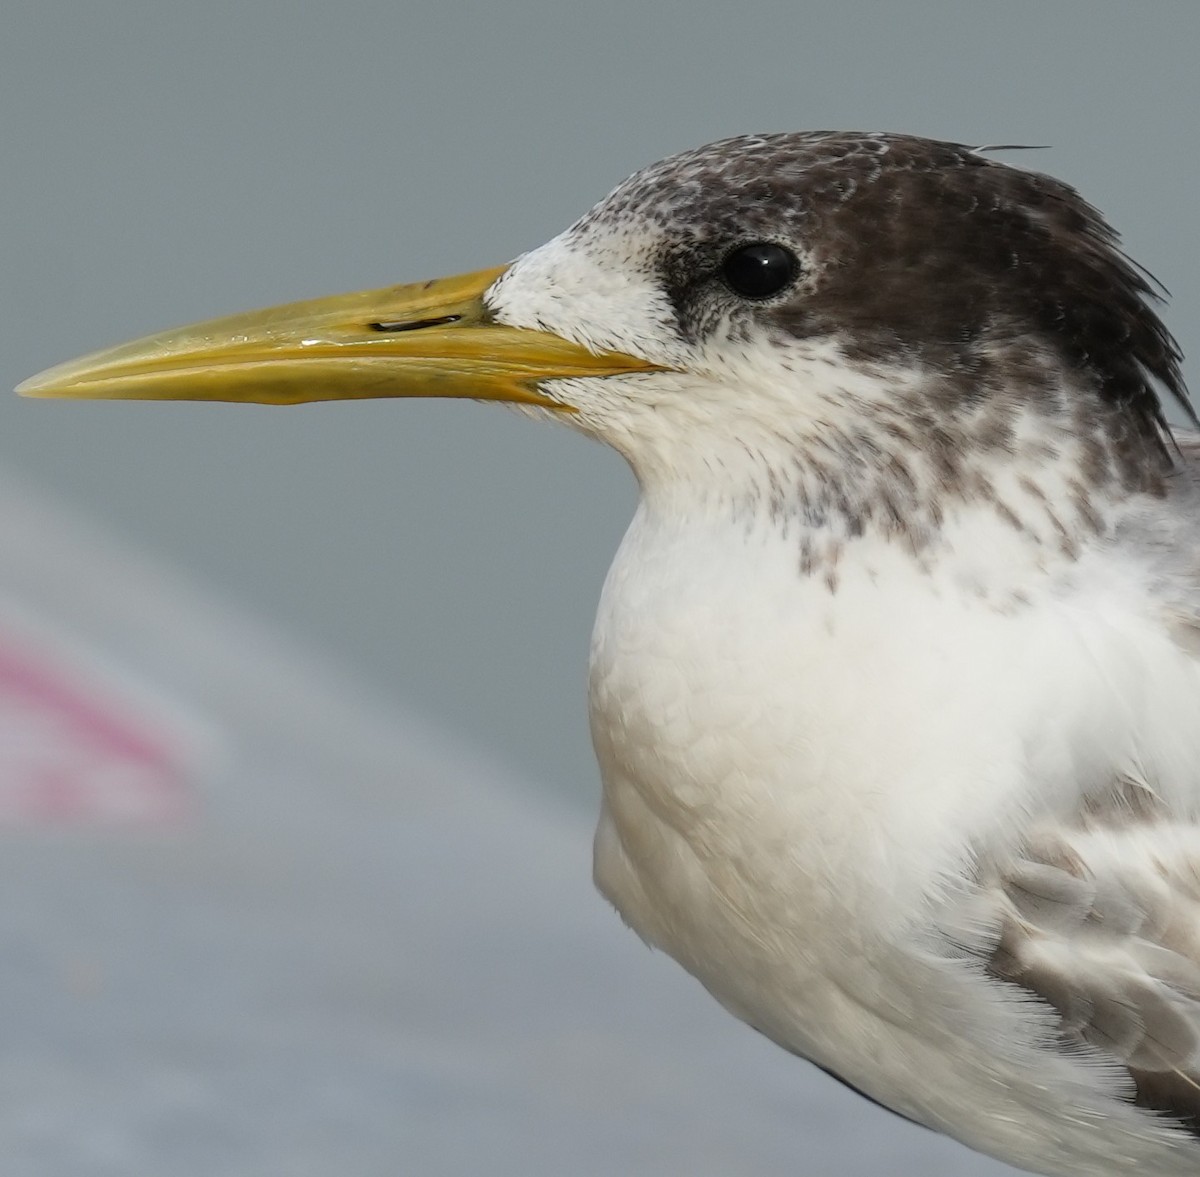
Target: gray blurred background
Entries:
(169, 162)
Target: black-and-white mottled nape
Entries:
(894, 684)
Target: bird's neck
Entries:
(1016, 501)
(831, 525)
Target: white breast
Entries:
(798, 782)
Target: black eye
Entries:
(759, 270)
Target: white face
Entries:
(736, 391)
(597, 288)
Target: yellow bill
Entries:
(427, 339)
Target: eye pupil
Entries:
(759, 270)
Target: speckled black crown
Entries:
(930, 252)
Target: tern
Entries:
(895, 682)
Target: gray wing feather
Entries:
(1102, 922)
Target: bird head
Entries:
(853, 326)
